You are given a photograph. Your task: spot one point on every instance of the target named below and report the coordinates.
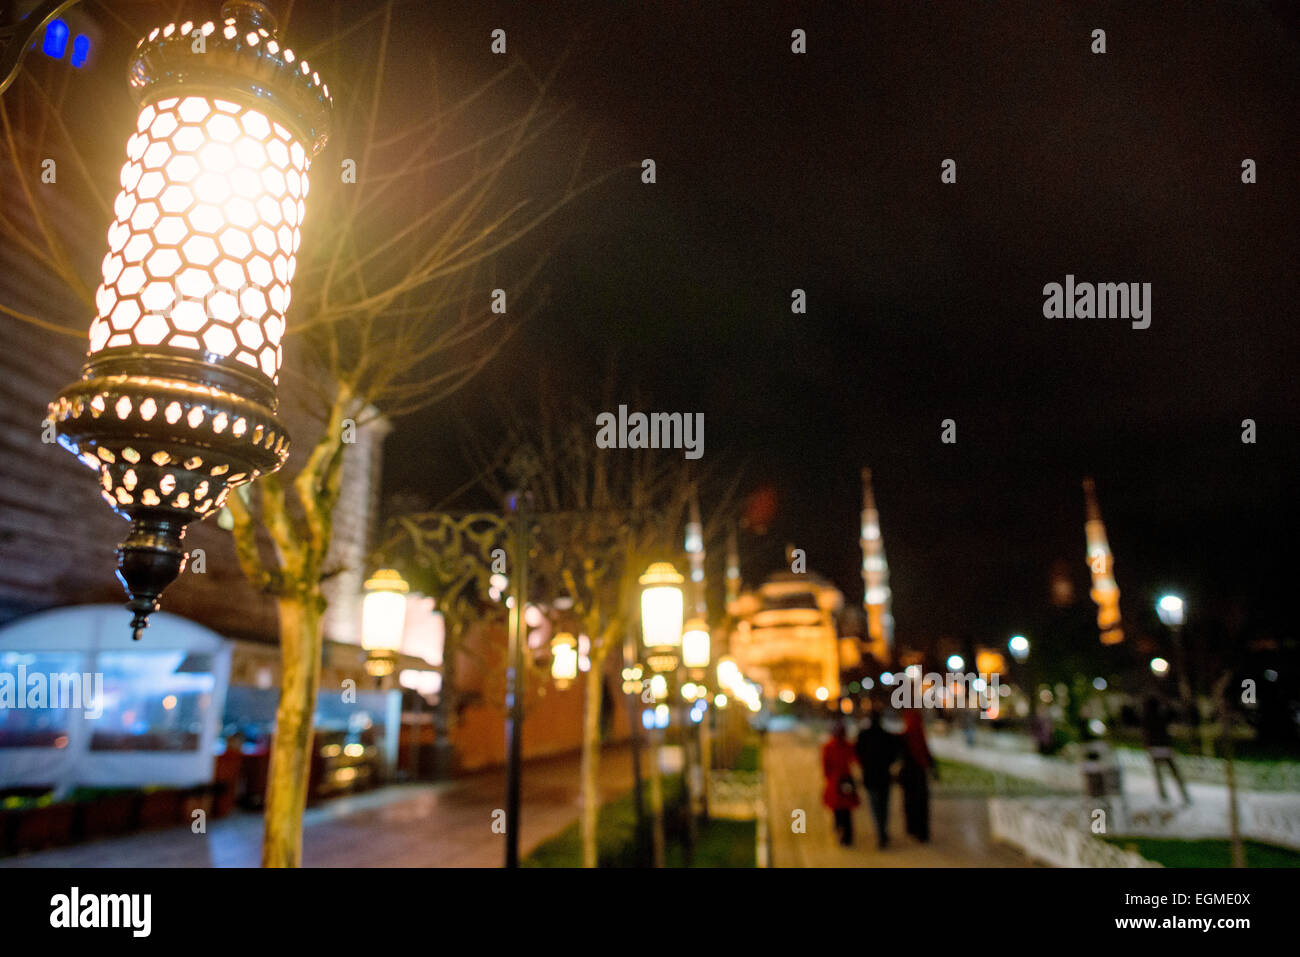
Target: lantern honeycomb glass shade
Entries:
(564, 659)
(695, 645)
(661, 606)
(177, 400)
(383, 613)
(202, 250)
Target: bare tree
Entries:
(604, 516)
(398, 303)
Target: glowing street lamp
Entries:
(1019, 647)
(695, 645)
(176, 401)
(383, 620)
(564, 659)
(1171, 609)
(1159, 666)
(661, 616)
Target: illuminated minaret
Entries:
(695, 550)
(876, 597)
(1105, 592)
(733, 569)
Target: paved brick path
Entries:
(959, 825)
(442, 825)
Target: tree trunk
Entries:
(656, 801)
(286, 788)
(591, 762)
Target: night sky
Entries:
(822, 172)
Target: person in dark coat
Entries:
(917, 768)
(841, 792)
(1159, 745)
(877, 750)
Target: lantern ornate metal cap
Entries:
(240, 58)
(662, 664)
(387, 579)
(661, 573)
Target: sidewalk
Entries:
(959, 826)
(421, 825)
(1272, 817)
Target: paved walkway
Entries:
(959, 826)
(438, 825)
(1267, 816)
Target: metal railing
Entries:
(1046, 838)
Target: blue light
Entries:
(56, 39)
(80, 50)
(648, 719)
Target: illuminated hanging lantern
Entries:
(177, 399)
(695, 645)
(383, 620)
(564, 659)
(661, 616)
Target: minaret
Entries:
(876, 596)
(733, 568)
(695, 549)
(1105, 592)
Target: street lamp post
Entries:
(1172, 612)
(632, 688)
(1018, 646)
(177, 399)
(661, 633)
(518, 504)
(383, 620)
(696, 657)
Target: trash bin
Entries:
(1101, 773)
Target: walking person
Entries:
(1159, 744)
(918, 766)
(877, 750)
(841, 793)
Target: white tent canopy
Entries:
(82, 704)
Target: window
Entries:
(153, 701)
(50, 680)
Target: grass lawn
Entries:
(747, 758)
(718, 843)
(967, 780)
(1207, 853)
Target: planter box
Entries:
(227, 776)
(40, 827)
(160, 809)
(196, 799)
(7, 820)
(109, 815)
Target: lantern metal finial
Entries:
(176, 404)
(249, 11)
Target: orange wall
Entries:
(552, 725)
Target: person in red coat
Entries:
(841, 793)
